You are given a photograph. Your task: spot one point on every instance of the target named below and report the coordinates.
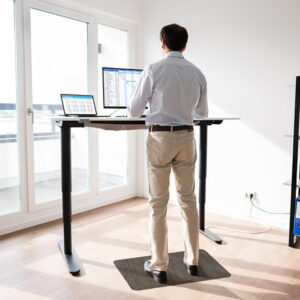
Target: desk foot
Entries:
(296, 242)
(211, 236)
(70, 260)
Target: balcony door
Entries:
(61, 57)
(49, 48)
(57, 63)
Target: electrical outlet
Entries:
(247, 204)
(251, 195)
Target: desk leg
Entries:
(202, 184)
(66, 177)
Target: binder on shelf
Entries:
(297, 217)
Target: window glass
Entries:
(9, 171)
(112, 144)
(59, 65)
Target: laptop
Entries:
(79, 105)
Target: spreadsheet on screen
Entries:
(118, 85)
(78, 104)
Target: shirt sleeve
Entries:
(202, 107)
(141, 93)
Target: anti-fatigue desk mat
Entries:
(132, 270)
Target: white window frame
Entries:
(32, 213)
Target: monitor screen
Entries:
(118, 84)
(78, 104)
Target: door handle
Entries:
(30, 112)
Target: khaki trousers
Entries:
(177, 151)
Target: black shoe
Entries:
(158, 276)
(192, 270)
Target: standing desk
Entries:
(117, 123)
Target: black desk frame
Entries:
(66, 175)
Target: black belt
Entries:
(170, 128)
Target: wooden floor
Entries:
(262, 265)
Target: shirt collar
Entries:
(174, 54)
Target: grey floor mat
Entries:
(132, 269)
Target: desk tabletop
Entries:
(122, 119)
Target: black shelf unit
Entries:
(295, 191)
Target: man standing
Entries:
(175, 90)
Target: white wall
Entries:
(249, 52)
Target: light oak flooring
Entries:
(31, 265)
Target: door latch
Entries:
(30, 112)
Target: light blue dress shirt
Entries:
(175, 90)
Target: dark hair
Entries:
(174, 36)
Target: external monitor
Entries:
(118, 84)
(79, 105)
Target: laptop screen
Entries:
(78, 104)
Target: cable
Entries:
(268, 212)
(267, 229)
(114, 112)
